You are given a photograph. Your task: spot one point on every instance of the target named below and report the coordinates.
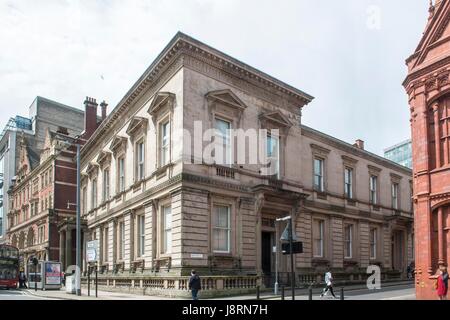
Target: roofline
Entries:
(397, 145)
(181, 35)
(172, 45)
(348, 145)
(59, 104)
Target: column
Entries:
(129, 257)
(441, 235)
(61, 249)
(437, 135)
(68, 260)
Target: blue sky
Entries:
(350, 54)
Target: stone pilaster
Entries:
(364, 243)
(337, 240)
(150, 233)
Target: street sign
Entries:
(92, 251)
(285, 235)
(297, 248)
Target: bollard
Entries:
(282, 292)
(257, 293)
(310, 293)
(342, 293)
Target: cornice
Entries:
(346, 147)
(185, 45)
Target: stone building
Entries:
(159, 207)
(42, 198)
(428, 87)
(43, 114)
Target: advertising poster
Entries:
(53, 273)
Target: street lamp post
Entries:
(276, 259)
(292, 260)
(290, 236)
(78, 253)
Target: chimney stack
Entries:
(103, 105)
(359, 144)
(90, 116)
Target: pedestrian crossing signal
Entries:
(297, 248)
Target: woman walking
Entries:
(442, 284)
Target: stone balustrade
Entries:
(212, 286)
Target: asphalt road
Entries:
(398, 292)
(18, 295)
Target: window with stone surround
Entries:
(121, 239)
(105, 244)
(167, 229)
(162, 111)
(222, 141)
(92, 174)
(164, 152)
(318, 238)
(84, 200)
(348, 241)
(140, 161)
(373, 243)
(273, 153)
(373, 190)
(221, 233)
(374, 185)
(395, 200)
(319, 167)
(395, 191)
(118, 147)
(319, 174)
(41, 233)
(94, 194)
(121, 174)
(140, 235)
(106, 185)
(348, 182)
(137, 130)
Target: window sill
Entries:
(321, 195)
(137, 186)
(375, 207)
(161, 172)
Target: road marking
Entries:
(405, 297)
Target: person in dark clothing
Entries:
(195, 284)
(22, 280)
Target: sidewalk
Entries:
(301, 294)
(102, 295)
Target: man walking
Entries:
(195, 285)
(329, 283)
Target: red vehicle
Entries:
(9, 266)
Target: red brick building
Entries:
(42, 219)
(428, 87)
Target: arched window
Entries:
(14, 241)
(22, 240)
(439, 132)
(30, 238)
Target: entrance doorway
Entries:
(266, 253)
(397, 251)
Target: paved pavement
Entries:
(392, 291)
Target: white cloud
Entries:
(65, 50)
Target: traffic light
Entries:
(297, 248)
